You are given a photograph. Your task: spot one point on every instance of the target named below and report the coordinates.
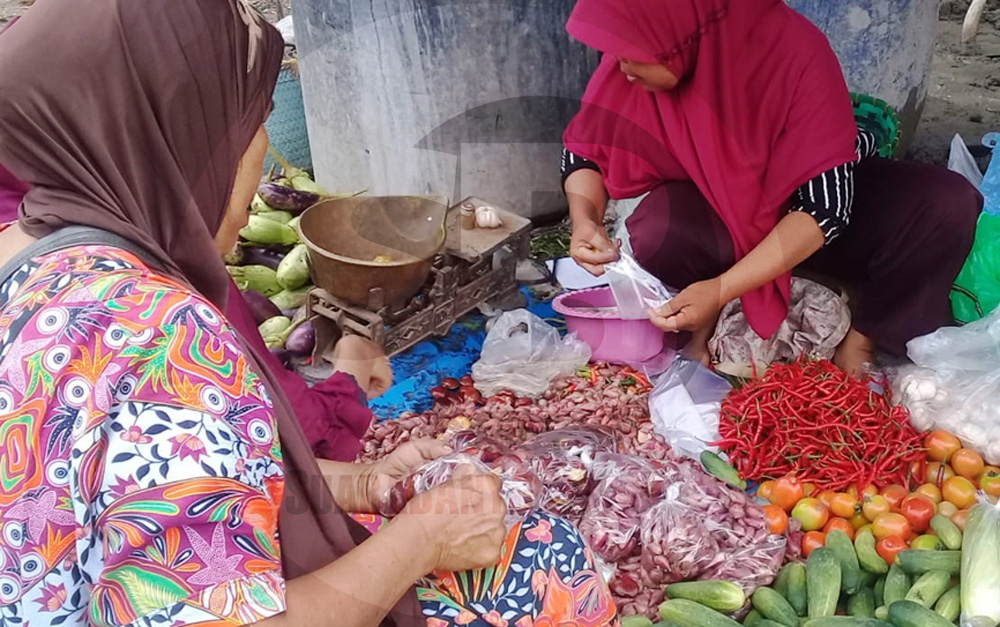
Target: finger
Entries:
(589, 256)
(430, 449)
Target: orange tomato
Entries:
(839, 524)
(858, 520)
(959, 491)
(869, 491)
(844, 505)
(777, 519)
(941, 445)
(938, 473)
(811, 541)
(968, 463)
(930, 491)
(888, 548)
(959, 518)
(811, 513)
(947, 509)
(891, 525)
(918, 510)
(895, 494)
(787, 492)
(875, 506)
(826, 497)
(989, 481)
(809, 488)
(764, 490)
(867, 527)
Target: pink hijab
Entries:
(762, 108)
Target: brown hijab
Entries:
(131, 116)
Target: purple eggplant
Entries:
(301, 340)
(283, 356)
(261, 256)
(260, 306)
(286, 198)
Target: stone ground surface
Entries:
(964, 94)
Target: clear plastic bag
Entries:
(685, 406)
(523, 354)
(563, 460)
(636, 291)
(751, 567)
(676, 545)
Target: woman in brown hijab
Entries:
(152, 473)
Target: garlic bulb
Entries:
(488, 218)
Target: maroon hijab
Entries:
(132, 116)
(762, 108)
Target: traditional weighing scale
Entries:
(401, 269)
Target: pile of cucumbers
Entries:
(844, 584)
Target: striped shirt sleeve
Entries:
(572, 162)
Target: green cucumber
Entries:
(691, 614)
(781, 583)
(722, 596)
(882, 613)
(823, 582)
(880, 592)
(798, 594)
(636, 621)
(949, 606)
(917, 562)
(850, 571)
(765, 622)
(773, 606)
(847, 621)
(718, 468)
(897, 584)
(947, 532)
(868, 557)
(929, 587)
(911, 614)
(752, 619)
(861, 604)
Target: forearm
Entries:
(360, 588)
(350, 484)
(796, 237)
(588, 199)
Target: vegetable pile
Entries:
(812, 419)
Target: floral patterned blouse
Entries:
(140, 469)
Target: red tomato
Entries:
(777, 519)
(811, 541)
(839, 524)
(938, 473)
(826, 497)
(869, 491)
(989, 481)
(931, 491)
(787, 492)
(959, 491)
(918, 510)
(891, 525)
(895, 494)
(941, 445)
(844, 505)
(888, 548)
(967, 463)
(811, 513)
(875, 506)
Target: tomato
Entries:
(918, 510)
(875, 506)
(764, 490)
(867, 527)
(930, 491)
(787, 492)
(888, 548)
(777, 519)
(844, 505)
(869, 491)
(895, 494)
(989, 481)
(968, 463)
(947, 509)
(839, 524)
(960, 491)
(938, 473)
(941, 445)
(858, 520)
(811, 513)
(926, 543)
(826, 497)
(811, 541)
(809, 488)
(959, 518)
(891, 525)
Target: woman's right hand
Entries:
(591, 247)
(463, 521)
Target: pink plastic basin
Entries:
(611, 338)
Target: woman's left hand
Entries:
(384, 474)
(694, 309)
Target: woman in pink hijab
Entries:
(734, 117)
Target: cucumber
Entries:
(718, 468)
(691, 614)
(722, 596)
(947, 532)
(882, 613)
(868, 579)
(753, 618)
(765, 622)
(823, 582)
(847, 621)
(916, 562)
(636, 621)
(868, 557)
(667, 623)
(781, 583)
(929, 587)
(850, 571)
(910, 614)
(773, 606)
(879, 592)
(949, 606)
(861, 604)
(797, 591)
(897, 584)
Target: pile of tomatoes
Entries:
(898, 516)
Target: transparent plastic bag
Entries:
(676, 545)
(685, 406)
(751, 567)
(636, 291)
(523, 354)
(563, 460)
(981, 566)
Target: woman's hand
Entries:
(694, 309)
(364, 360)
(591, 247)
(384, 474)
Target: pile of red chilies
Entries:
(815, 421)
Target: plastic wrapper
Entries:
(676, 545)
(626, 488)
(685, 406)
(636, 291)
(563, 461)
(523, 354)
(981, 566)
(751, 567)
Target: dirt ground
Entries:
(963, 97)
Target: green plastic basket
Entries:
(286, 125)
(880, 119)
